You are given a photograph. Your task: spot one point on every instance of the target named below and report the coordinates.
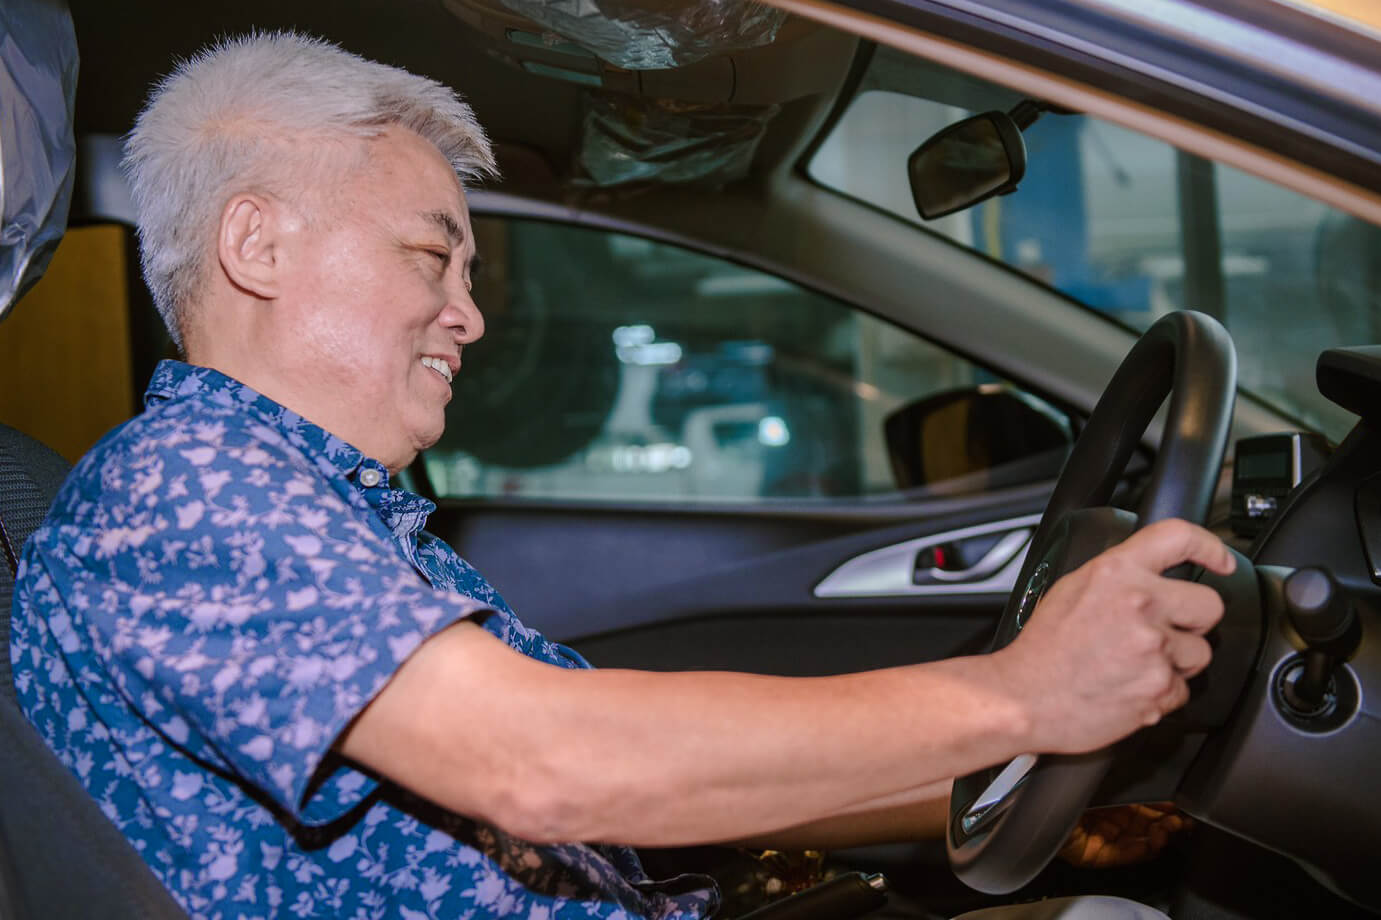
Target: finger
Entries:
(1192, 607)
(1189, 653)
(1168, 543)
(1173, 698)
(1106, 830)
(1159, 837)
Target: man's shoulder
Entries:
(134, 463)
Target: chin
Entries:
(425, 436)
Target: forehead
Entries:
(406, 177)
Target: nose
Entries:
(462, 316)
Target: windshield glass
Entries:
(1132, 227)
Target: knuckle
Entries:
(1147, 640)
(1107, 566)
(1140, 601)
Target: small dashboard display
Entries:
(1267, 466)
(1265, 469)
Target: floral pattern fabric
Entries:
(220, 588)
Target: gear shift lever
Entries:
(1325, 619)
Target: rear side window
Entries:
(618, 368)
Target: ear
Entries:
(248, 244)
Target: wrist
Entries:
(1014, 701)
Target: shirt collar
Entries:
(179, 380)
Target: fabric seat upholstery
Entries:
(59, 855)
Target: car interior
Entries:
(740, 406)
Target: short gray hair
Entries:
(218, 124)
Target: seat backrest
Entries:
(59, 855)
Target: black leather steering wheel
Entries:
(1007, 822)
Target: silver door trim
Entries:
(887, 572)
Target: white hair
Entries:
(221, 122)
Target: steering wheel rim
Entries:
(1005, 826)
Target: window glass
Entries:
(615, 367)
(1132, 227)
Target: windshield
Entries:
(1132, 228)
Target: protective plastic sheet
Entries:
(629, 139)
(647, 36)
(38, 84)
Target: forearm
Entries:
(727, 755)
(919, 815)
(669, 759)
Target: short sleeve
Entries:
(245, 607)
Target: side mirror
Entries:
(976, 438)
(965, 163)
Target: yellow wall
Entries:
(1366, 12)
(65, 374)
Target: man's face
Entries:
(381, 288)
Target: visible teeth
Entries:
(439, 366)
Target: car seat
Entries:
(59, 855)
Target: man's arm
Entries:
(920, 815)
(646, 758)
(666, 759)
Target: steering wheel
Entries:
(1007, 823)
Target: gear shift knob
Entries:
(1320, 613)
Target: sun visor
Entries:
(656, 36)
(38, 84)
(629, 139)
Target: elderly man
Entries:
(290, 697)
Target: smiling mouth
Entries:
(440, 367)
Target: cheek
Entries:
(367, 319)
(348, 346)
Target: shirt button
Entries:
(369, 477)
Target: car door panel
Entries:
(735, 590)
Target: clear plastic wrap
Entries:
(629, 139)
(656, 36)
(38, 84)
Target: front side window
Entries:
(618, 368)
(1132, 227)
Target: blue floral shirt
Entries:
(220, 588)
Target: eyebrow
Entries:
(448, 224)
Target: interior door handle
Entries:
(1003, 552)
(890, 571)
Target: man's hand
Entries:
(1111, 646)
(1123, 835)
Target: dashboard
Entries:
(1294, 765)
